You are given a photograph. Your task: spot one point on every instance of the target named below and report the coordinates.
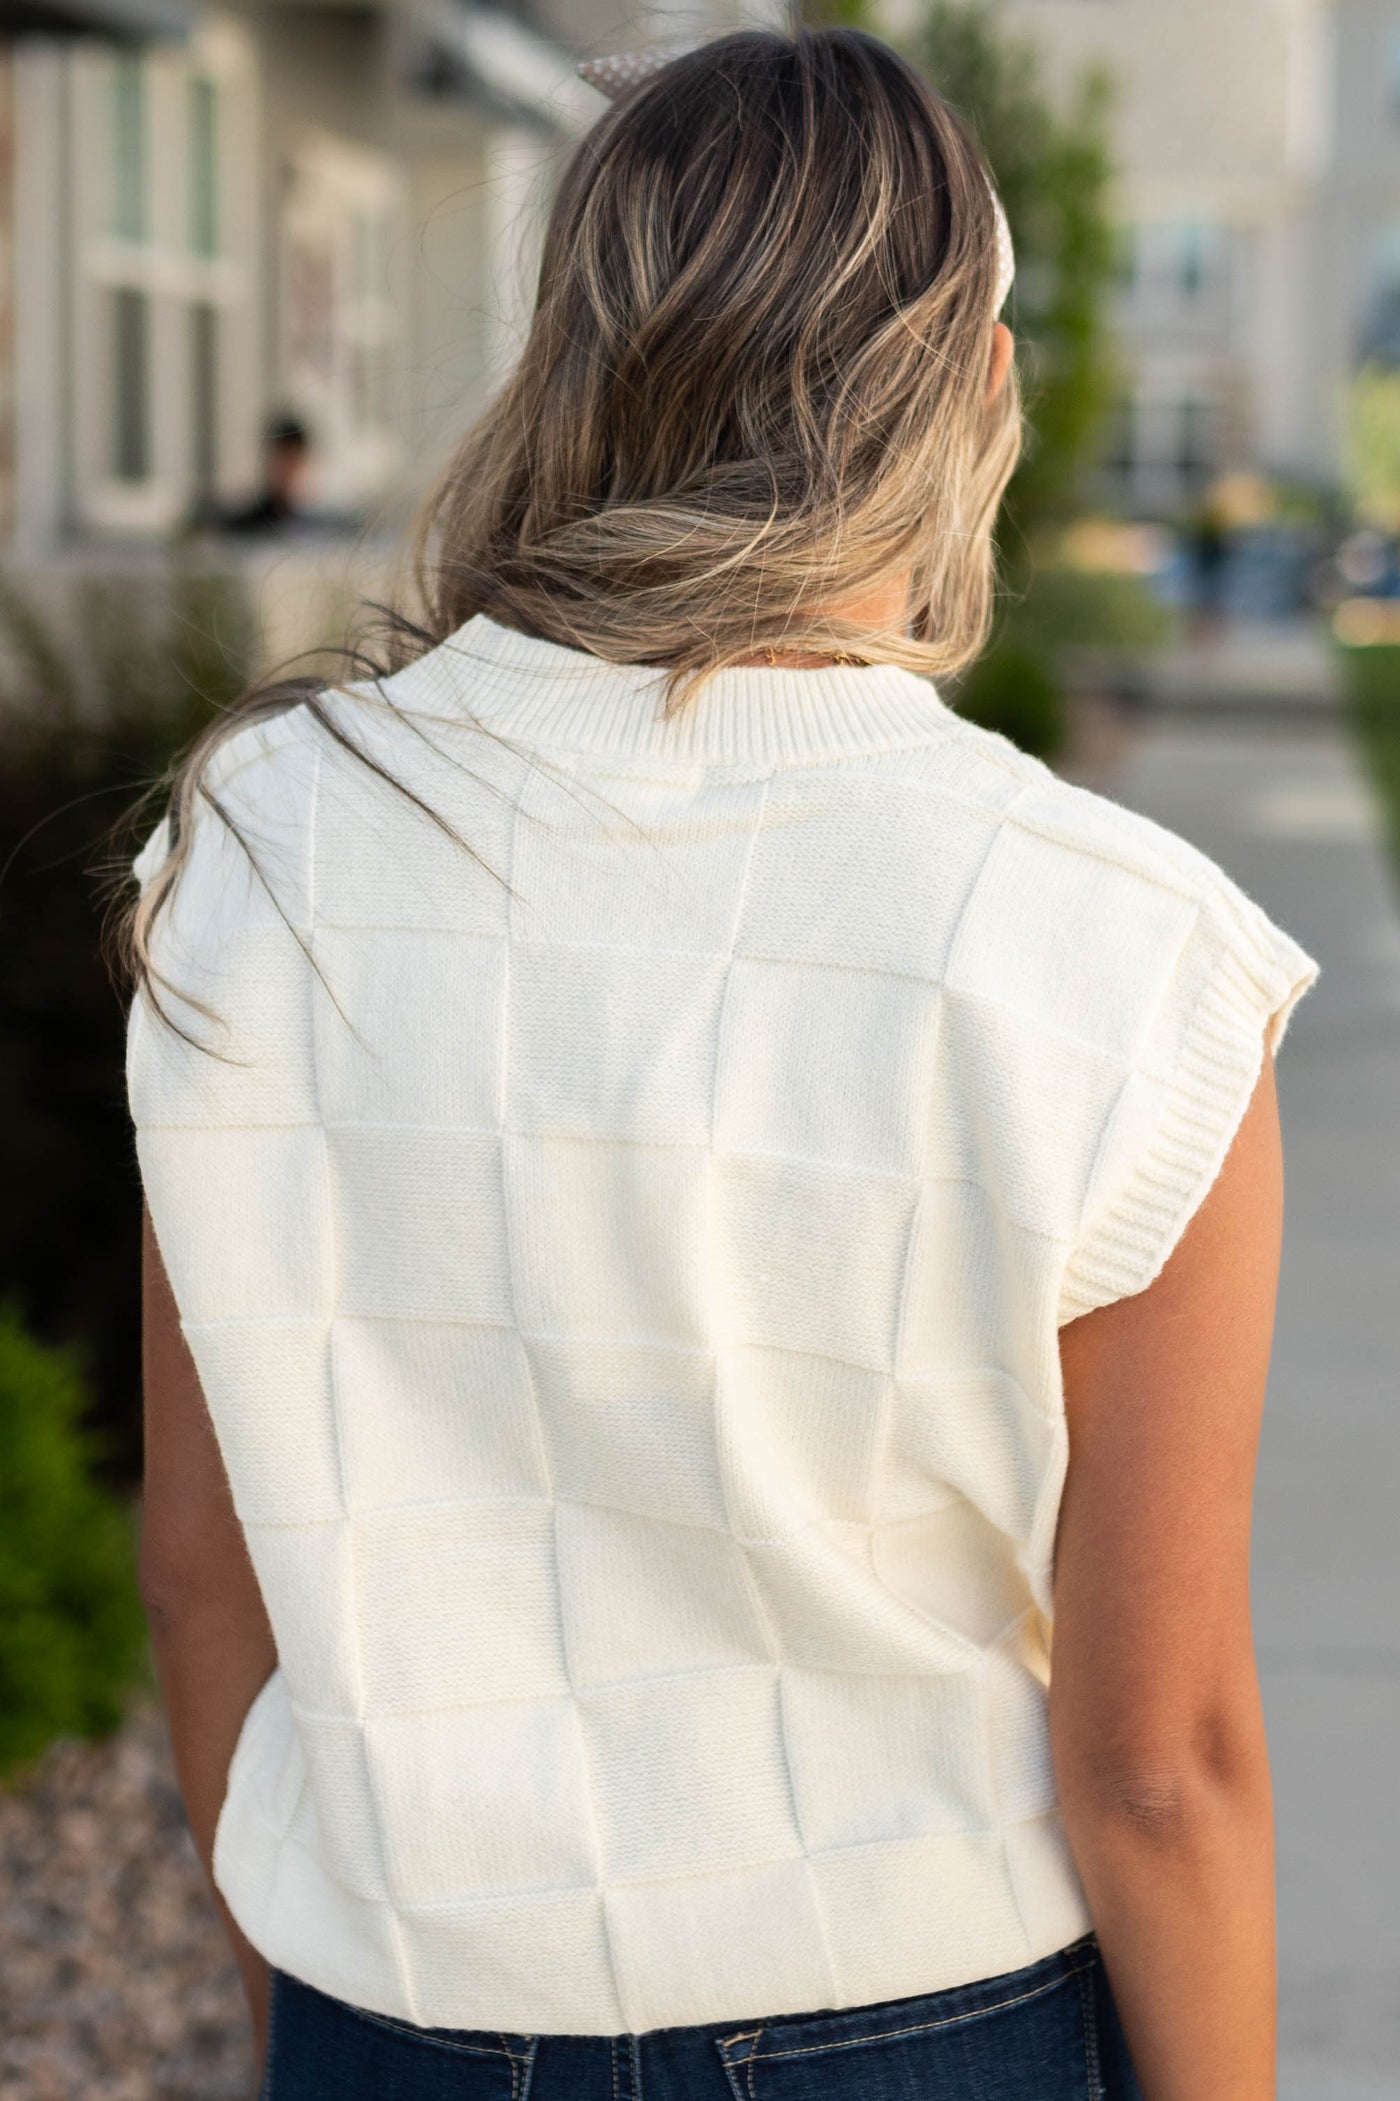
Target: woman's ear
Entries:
(1003, 349)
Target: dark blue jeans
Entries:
(1046, 2033)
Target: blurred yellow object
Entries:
(1364, 623)
(1107, 545)
(1243, 498)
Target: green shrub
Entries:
(1014, 689)
(1072, 612)
(97, 690)
(72, 1635)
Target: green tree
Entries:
(1053, 165)
(1054, 169)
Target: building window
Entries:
(1378, 319)
(131, 385)
(1195, 456)
(1120, 445)
(164, 362)
(1192, 261)
(204, 166)
(1176, 268)
(204, 398)
(1193, 264)
(1161, 448)
(128, 121)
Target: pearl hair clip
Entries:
(613, 76)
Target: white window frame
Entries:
(163, 265)
(1156, 294)
(1156, 406)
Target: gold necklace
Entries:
(842, 656)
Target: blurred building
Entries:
(211, 214)
(212, 211)
(1259, 147)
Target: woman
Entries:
(694, 1199)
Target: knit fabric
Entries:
(624, 1262)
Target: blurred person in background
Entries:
(281, 497)
(1208, 537)
(697, 1204)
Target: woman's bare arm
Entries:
(213, 1646)
(1155, 1712)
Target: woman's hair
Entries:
(755, 382)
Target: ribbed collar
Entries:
(554, 697)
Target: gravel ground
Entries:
(116, 1983)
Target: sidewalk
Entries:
(1285, 811)
(1276, 670)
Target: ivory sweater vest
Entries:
(624, 1261)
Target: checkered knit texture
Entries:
(628, 1300)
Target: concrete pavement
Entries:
(1286, 811)
(1277, 668)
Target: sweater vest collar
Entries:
(545, 694)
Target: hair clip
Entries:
(625, 69)
(613, 76)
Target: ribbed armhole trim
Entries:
(1257, 982)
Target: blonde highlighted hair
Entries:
(755, 384)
